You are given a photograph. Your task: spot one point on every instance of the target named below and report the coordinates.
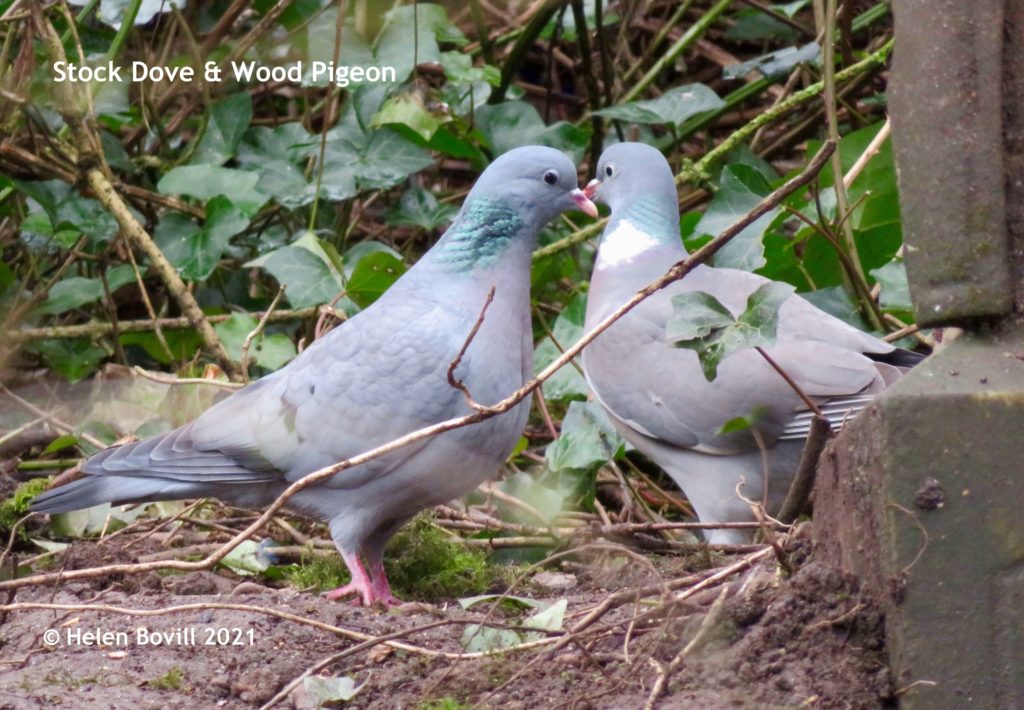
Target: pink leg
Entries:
(359, 585)
(380, 590)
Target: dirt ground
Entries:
(805, 640)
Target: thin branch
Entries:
(255, 332)
(674, 273)
(452, 380)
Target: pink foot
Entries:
(368, 590)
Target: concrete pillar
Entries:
(922, 496)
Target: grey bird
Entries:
(656, 393)
(379, 375)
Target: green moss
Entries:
(318, 572)
(171, 680)
(424, 562)
(15, 508)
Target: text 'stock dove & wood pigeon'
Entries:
(377, 376)
(657, 394)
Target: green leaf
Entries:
(419, 208)
(516, 123)
(327, 691)
(587, 439)
(411, 37)
(269, 351)
(73, 359)
(207, 246)
(67, 210)
(77, 291)
(835, 300)
(205, 182)
(480, 639)
(407, 109)
(566, 383)
(459, 68)
(308, 276)
(229, 119)
(701, 323)
(673, 107)
(742, 187)
(372, 276)
(550, 618)
(245, 559)
(356, 159)
(776, 63)
(895, 294)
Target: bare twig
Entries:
(803, 482)
(255, 332)
(674, 273)
(452, 380)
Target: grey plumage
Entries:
(378, 376)
(656, 394)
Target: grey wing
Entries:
(362, 385)
(660, 391)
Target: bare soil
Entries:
(803, 640)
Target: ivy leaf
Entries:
(458, 67)
(229, 119)
(268, 351)
(587, 439)
(701, 323)
(77, 291)
(372, 276)
(566, 383)
(73, 359)
(672, 108)
(207, 245)
(408, 109)
(205, 182)
(328, 691)
(411, 37)
(419, 208)
(895, 294)
(741, 188)
(306, 268)
(516, 123)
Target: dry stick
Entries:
(92, 164)
(803, 483)
(619, 598)
(256, 331)
(789, 381)
(96, 329)
(674, 273)
(322, 626)
(706, 626)
(459, 384)
(64, 426)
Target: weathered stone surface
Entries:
(947, 103)
(922, 497)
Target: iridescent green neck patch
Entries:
(483, 230)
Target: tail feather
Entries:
(118, 490)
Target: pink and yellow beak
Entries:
(583, 202)
(591, 189)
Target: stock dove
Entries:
(379, 375)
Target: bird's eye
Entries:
(551, 177)
(609, 171)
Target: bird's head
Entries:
(538, 182)
(627, 172)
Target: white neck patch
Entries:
(623, 245)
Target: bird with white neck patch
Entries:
(657, 394)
